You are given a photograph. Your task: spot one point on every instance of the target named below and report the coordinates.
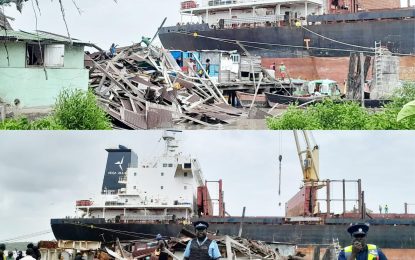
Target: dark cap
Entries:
(201, 224)
(358, 229)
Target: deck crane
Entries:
(304, 203)
(309, 158)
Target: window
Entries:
(161, 187)
(185, 174)
(50, 55)
(235, 58)
(135, 174)
(170, 165)
(54, 54)
(185, 187)
(187, 165)
(164, 164)
(35, 54)
(135, 187)
(126, 200)
(162, 174)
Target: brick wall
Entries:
(379, 4)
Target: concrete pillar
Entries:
(306, 9)
(230, 13)
(253, 11)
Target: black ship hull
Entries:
(363, 29)
(385, 236)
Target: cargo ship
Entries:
(164, 195)
(294, 29)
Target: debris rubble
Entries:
(144, 88)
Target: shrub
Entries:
(331, 115)
(78, 110)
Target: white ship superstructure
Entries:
(162, 190)
(239, 13)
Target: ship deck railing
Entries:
(247, 3)
(267, 19)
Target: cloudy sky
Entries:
(102, 22)
(44, 173)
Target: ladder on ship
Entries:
(379, 68)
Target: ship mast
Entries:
(171, 144)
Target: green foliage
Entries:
(74, 110)
(407, 111)
(21, 123)
(78, 110)
(330, 115)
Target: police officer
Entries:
(201, 248)
(359, 250)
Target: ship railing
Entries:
(122, 179)
(147, 217)
(114, 203)
(208, 3)
(270, 20)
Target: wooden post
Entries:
(242, 220)
(362, 79)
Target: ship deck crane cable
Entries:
(231, 41)
(23, 237)
(330, 39)
(116, 231)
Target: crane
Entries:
(309, 158)
(304, 203)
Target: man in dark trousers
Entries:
(161, 245)
(201, 248)
(207, 68)
(360, 250)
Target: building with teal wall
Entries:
(35, 67)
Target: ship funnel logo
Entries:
(120, 164)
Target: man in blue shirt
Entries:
(201, 248)
(360, 250)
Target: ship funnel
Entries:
(118, 161)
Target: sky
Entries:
(43, 173)
(123, 21)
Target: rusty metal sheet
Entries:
(159, 118)
(126, 103)
(138, 120)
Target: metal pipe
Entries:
(363, 205)
(359, 191)
(328, 197)
(406, 208)
(344, 197)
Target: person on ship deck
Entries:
(360, 250)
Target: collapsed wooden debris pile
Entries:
(144, 88)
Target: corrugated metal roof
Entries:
(41, 35)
